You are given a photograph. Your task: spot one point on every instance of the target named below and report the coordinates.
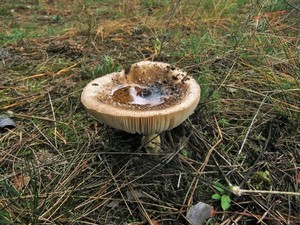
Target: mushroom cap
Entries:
(109, 100)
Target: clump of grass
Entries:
(107, 65)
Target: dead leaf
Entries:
(113, 204)
(298, 178)
(154, 222)
(132, 195)
(44, 156)
(60, 136)
(270, 15)
(231, 89)
(20, 181)
(84, 165)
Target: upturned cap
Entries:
(149, 98)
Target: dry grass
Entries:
(59, 166)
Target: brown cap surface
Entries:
(151, 98)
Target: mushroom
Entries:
(148, 98)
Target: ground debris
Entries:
(199, 213)
(68, 48)
(4, 54)
(6, 122)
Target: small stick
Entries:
(34, 76)
(62, 71)
(179, 180)
(54, 119)
(39, 118)
(252, 123)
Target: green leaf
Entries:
(185, 153)
(216, 196)
(225, 202)
(218, 186)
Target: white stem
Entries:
(271, 192)
(151, 143)
(238, 191)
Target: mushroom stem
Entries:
(151, 143)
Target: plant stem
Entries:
(151, 142)
(238, 191)
(271, 192)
